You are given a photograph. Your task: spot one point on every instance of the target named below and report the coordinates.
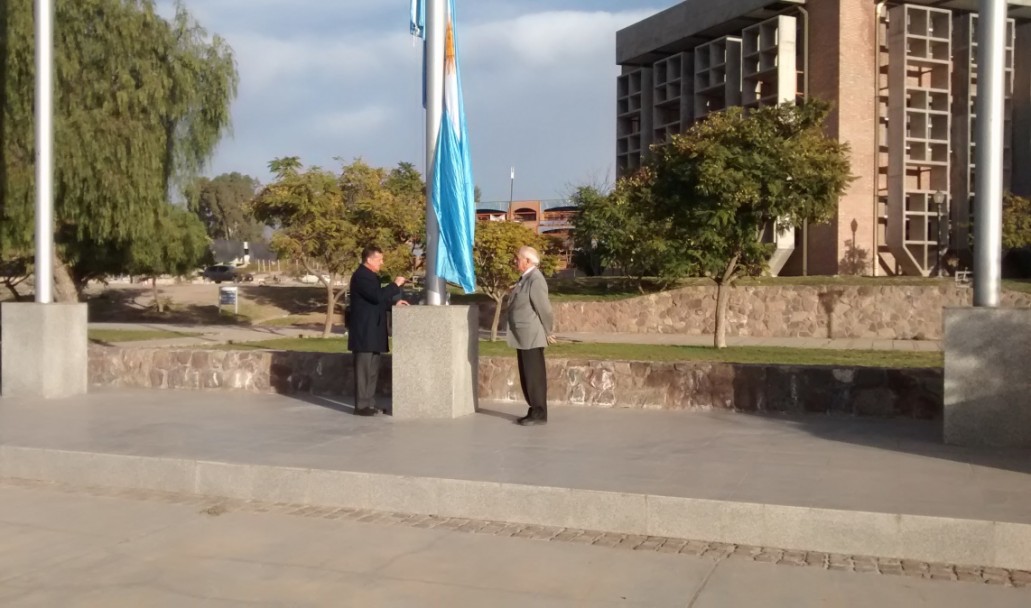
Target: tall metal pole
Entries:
(991, 78)
(511, 190)
(435, 32)
(44, 152)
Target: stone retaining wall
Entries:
(254, 371)
(915, 393)
(790, 311)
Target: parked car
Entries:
(220, 273)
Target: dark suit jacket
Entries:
(367, 323)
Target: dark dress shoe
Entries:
(366, 411)
(530, 421)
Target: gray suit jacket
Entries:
(529, 312)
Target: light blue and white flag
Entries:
(418, 24)
(452, 183)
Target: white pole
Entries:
(44, 152)
(991, 64)
(435, 34)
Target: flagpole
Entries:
(991, 93)
(435, 33)
(44, 263)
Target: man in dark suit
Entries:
(367, 327)
(529, 332)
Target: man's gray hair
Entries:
(529, 253)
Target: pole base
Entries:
(435, 362)
(43, 350)
(986, 377)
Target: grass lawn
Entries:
(135, 335)
(637, 352)
(1023, 285)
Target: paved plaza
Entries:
(885, 488)
(810, 461)
(63, 547)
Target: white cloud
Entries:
(539, 91)
(555, 38)
(350, 122)
(266, 61)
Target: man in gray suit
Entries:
(529, 332)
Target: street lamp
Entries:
(938, 198)
(511, 189)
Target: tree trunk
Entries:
(65, 290)
(722, 295)
(497, 320)
(723, 287)
(157, 295)
(331, 303)
(11, 288)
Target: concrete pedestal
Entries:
(435, 361)
(988, 377)
(43, 350)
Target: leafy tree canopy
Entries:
(140, 103)
(221, 205)
(1016, 222)
(494, 256)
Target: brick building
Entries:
(550, 218)
(902, 77)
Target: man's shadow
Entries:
(497, 414)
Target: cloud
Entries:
(539, 88)
(270, 62)
(555, 38)
(348, 122)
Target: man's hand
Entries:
(403, 303)
(552, 340)
(400, 281)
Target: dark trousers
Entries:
(366, 378)
(533, 377)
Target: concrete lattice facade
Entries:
(903, 81)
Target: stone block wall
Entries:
(790, 311)
(253, 371)
(913, 393)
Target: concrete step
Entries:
(897, 535)
(850, 486)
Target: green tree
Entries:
(140, 103)
(1016, 222)
(314, 226)
(177, 249)
(389, 209)
(15, 269)
(718, 186)
(494, 257)
(590, 230)
(221, 205)
(620, 230)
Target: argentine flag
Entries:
(418, 26)
(452, 185)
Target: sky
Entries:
(328, 79)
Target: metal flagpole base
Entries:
(435, 371)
